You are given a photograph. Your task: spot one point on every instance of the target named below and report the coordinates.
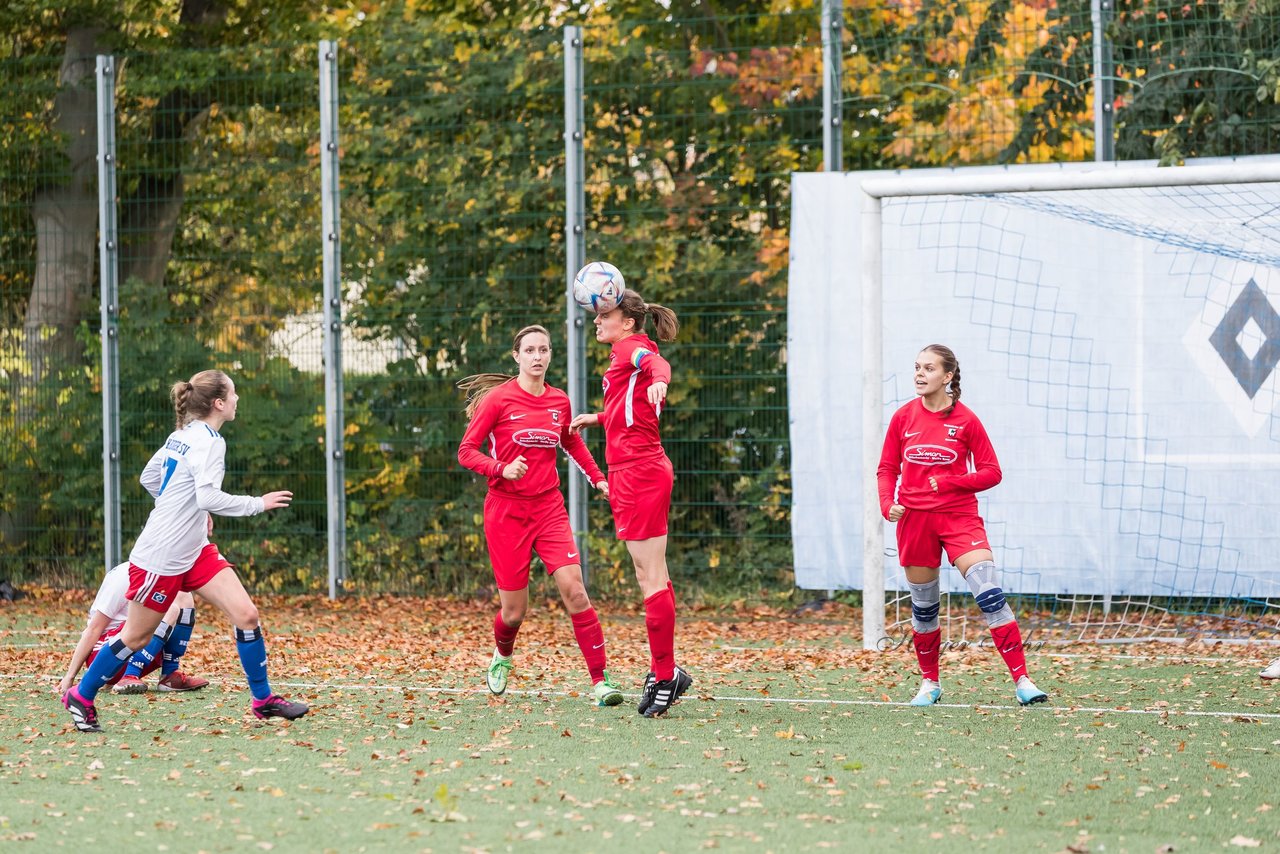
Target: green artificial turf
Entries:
(382, 769)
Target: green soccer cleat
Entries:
(499, 671)
(606, 693)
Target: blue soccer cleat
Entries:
(1027, 692)
(930, 692)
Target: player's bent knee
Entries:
(135, 639)
(185, 600)
(991, 600)
(245, 617)
(576, 599)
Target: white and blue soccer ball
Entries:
(599, 287)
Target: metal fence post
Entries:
(331, 233)
(1104, 86)
(832, 99)
(109, 309)
(1104, 114)
(575, 231)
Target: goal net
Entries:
(1118, 331)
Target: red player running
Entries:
(523, 420)
(937, 454)
(641, 477)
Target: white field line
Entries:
(1102, 653)
(790, 701)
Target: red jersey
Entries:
(952, 447)
(630, 421)
(515, 422)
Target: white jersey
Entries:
(185, 476)
(110, 601)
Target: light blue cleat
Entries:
(1027, 692)
(930, 692)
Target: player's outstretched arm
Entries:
(276, 500)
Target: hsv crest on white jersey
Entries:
(185, 476)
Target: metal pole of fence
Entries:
(331, 233)
(1104, 87)
(109, 309)
(1104, 117)
(832, 102)
(872, 423)
(574, 232)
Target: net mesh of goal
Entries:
(1121, 347)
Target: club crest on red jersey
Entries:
(555, 415)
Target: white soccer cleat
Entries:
(930, 692)
(1271, 671)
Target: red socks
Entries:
(504, 635)
(660, 620)
(586, 628)
(1008, 641)
(928, 646)
(652, 665)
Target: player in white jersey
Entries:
(166, 648)
(172, 553)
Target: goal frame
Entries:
(965, 182)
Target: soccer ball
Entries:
(598, 287)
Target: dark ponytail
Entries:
(664, 319)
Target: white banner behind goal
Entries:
(1119, 345)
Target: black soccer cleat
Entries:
(83, 713)
(276, 706)
(646, 693)
(666, 692)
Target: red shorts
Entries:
(106, 639)
(640, 497)
(923, 534)
(156, 592)
(515, 528)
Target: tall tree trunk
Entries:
(66, 215)
(149, 216)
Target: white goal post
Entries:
(880, 190)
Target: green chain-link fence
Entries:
(453, 204)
